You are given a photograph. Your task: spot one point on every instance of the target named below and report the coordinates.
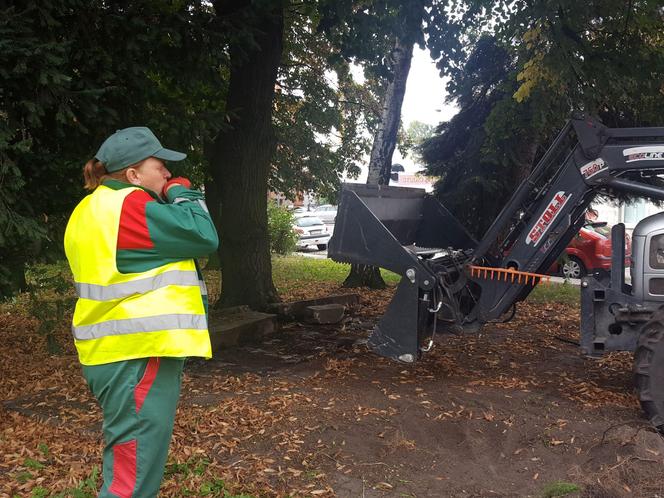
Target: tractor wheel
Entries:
(649, 370)
(573, 268)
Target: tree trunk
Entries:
(364, 276)
(13, 279)
(242, 155)
(385, 140)
(523, 156)
(214, 205)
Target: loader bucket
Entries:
(393, 228)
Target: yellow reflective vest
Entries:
(122, 316)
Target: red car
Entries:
(590, 251)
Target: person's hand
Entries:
(176, 181)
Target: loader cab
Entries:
(648, 259)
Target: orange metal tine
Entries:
(508, 275)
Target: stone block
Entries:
(239, 325)
(325, 313)
(297, 310)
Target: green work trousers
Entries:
(138, 399)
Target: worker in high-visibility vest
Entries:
(142, 306)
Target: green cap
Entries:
(132, 145)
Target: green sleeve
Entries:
(182, 227)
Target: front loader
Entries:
(451, 282)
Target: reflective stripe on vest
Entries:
(141, 286)
(137, 325)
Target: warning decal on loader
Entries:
(592, 168)
(548, 216)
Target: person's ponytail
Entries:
(93, 174)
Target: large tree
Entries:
(241, 156)
(71, 73)
(295, 122)
(319, 111)
(516, 86)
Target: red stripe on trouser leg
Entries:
(124, 469)
(143, 387)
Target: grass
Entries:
(556, 293)
(296, 272)
(87, 488)
(559, 488)
(299, 268)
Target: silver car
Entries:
(311, 231)
(326, 212)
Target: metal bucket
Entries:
(396, 228)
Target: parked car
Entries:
(589, 252)
(298, 210)
(326, 212)
(311, 231)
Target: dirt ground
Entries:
(512, 412)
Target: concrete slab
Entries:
(238, 326)
(325, 313)
(296, 310)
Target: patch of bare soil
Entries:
(311, 412)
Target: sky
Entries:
(425, 92)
